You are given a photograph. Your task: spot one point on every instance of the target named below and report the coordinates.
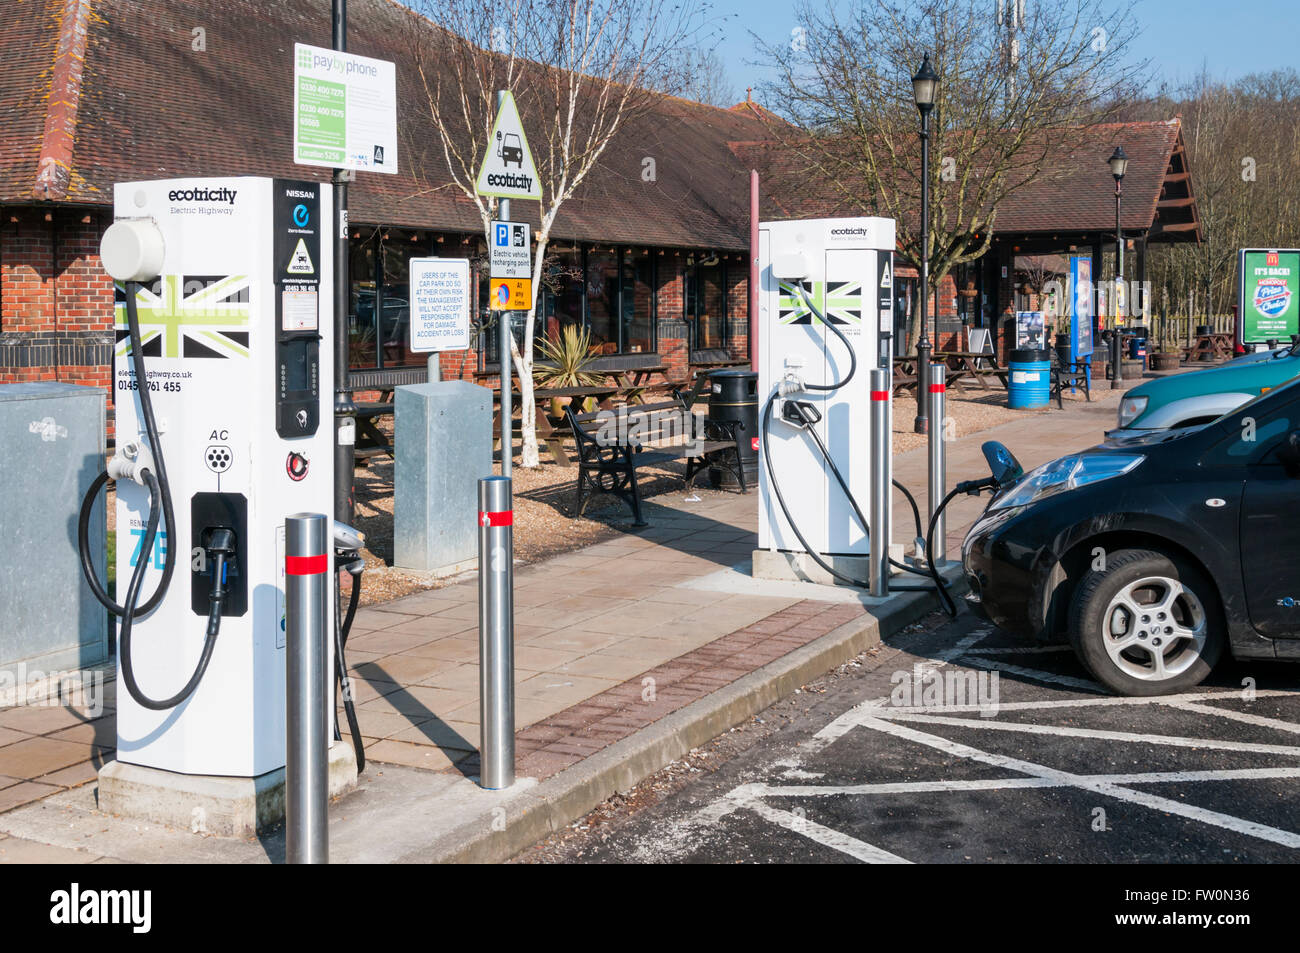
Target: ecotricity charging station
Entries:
(814, 386)
(224, 318)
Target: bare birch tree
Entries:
(1009, 89)
(579, 70)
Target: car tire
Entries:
(1146, 623)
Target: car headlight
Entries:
(1067, 473)
(1131, 408)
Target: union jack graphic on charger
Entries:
(204, 316)
(840, 301)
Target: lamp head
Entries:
(1118, 163)
(925, 85)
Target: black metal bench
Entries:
(611, 446)
(1071, 376)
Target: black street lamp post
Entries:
(925, 84)
(1118, 162)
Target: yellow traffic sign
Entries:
(510, 294)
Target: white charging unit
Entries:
(236, 329)
(846, 268)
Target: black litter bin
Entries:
(733, 398)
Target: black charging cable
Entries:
(160, 497)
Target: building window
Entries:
(603, 306)
(638, 302)
(705, 302)
(362, 331)
(560, 298)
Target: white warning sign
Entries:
(300, 263)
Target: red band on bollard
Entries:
(306, 565)
(938, 388)
(880, 395)
(503, 518)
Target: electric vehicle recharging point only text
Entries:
(224, 315)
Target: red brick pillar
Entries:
(673, 337)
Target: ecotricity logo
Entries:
(202, 195)
(849, 232)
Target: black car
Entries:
(1154, 553)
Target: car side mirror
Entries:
(1289, 452)
(1003, 465)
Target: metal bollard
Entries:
(496, 633)
(306, 618)
(938, 487)
(881, 483)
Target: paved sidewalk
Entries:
(625, 651)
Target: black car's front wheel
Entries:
(1146, 624)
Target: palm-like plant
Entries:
(566, 355)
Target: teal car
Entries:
(1189, 400)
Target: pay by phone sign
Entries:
(439, 304)
(344, 109)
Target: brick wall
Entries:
(738, 307)
(56, 303)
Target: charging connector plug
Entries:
(219, 546)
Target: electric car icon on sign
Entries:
(1153, 552)
(511, 150)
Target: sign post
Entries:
(1268, 295)
(507, 172)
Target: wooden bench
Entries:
(611, 446)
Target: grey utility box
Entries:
(443, 444)
(51, 448)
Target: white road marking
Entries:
(1038, 675)
(1105, 701)
(1235, 715)
(999, 784)
(1065, 731)
(841, 725)
(1104, 787)
(824, 835)
(1018, 649)
(876, 714)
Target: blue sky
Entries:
(1230, 38)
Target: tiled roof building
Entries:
(101, 91)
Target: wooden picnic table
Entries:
(1210, 347)
(634, 382)
(960, 365)
(371, 441)
(547, 431)
(963, 364)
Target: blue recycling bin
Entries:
(1029, 383)
(1137, 349)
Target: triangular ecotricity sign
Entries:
(507, 170)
